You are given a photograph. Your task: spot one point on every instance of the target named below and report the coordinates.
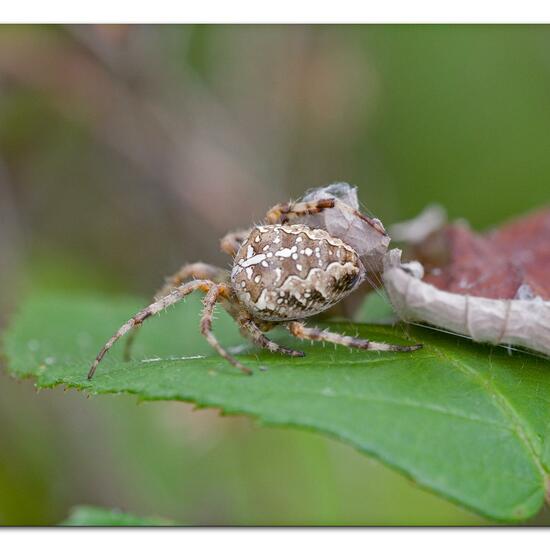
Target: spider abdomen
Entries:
(284, 272)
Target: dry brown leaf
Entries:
(510, 262)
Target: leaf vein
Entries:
(503, 404)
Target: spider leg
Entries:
(282, 213)
(251, 330)
(306, 333)
(231, 243)
(127, 353)
(159, 305)
(196, 270)
(213, 295)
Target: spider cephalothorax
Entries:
(281, 273)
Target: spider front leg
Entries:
(282, 213)
(231, 243)
(305, 333)
(251, 331)
(197, 270)
(214, 294)
(156, 307)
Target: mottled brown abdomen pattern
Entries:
(285, 272)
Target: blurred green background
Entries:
(127, 151)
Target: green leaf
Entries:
(94, 516)
(467, 421)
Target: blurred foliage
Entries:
(94, 516)
(126, 151)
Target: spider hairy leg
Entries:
(299, 330)
(253, 332)
(284, 212)
(231, 243)
(197, 270)
(156, 307)
(213, 296)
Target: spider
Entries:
(282, 273)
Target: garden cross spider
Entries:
(282, 272)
